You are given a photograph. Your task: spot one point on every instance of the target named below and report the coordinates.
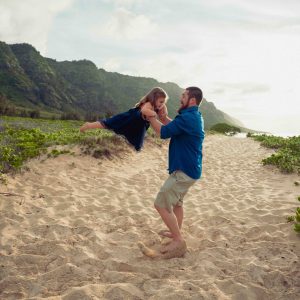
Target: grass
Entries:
(287, 156)
(25, 138)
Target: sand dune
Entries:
(73, 229)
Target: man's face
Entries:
(184, 101)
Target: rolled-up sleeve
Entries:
(175, 127)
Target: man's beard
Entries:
(183, 106)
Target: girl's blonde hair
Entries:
(152, 96)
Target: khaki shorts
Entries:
(173, 190)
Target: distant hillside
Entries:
(30, 80)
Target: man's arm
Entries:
(166, 120)
(156, 125)
(173, 128)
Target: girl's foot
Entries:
(147, 251)
(84, 127)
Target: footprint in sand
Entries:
(177, 252)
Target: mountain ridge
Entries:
(29, 80)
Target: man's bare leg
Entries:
(178, 211)
(171, 221)
(91, 125)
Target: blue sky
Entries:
(243, 54)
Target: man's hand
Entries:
(163, 112)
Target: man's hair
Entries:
(195, 92)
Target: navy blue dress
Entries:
(130, 124)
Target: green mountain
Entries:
(29, 80)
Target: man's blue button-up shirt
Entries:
(187, 134)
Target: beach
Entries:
(70, 228)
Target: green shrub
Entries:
(295, 219)
(287, 156)
(225, 128)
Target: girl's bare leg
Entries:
(91, 125)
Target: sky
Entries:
(244, 55)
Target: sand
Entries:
(74, 227)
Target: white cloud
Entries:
(112, 64)
(267, 7)
(125, 3)
(124, 24)
(29, 21)
(241, 88)
(165, 67)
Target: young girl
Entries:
(133, 123)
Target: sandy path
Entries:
(74, 232)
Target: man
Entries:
(185, 162)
